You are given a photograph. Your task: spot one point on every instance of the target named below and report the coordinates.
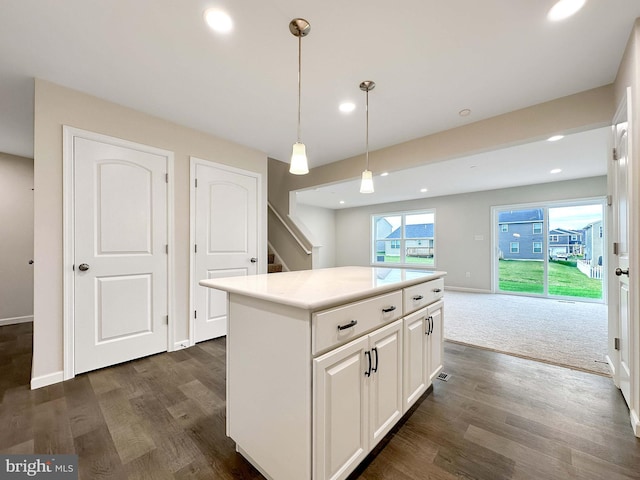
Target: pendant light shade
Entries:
(366, 186)
(299, 164)
(299, 27)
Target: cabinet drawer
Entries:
(342, 324)
(418, 296)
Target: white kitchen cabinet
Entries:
(357, 399)
(435, 338)
(423, 344)
(315, 364)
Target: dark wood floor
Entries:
(163, 417)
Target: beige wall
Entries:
(16, 238)
(579, 112)
(460, 221)
(56, 106)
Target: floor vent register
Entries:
(443, 376)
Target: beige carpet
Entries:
(571, 334)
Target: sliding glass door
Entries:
(551, 250)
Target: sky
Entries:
(575, 217)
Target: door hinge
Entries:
(195, 314)
(195, 248)
(615, 248)
(166, 178)
(166, 319)
(166, 248)
(616, 343)
(196, 183)
(614, 154)
(609, 200)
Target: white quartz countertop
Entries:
(322, 288)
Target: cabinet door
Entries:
(436, 339)
(340, 410)
(385, 389)
(415, 377)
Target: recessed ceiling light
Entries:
(556, 170)
(423, 190)
(347, 107)
(465, 112)
(341, 202)
(218, 20)
(564, 9)
(384, 174)
(555, 138)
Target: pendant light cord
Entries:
(299, 80)
(367, 134)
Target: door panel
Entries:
(415, 353)
(121, 282)
(226, 237)
(621, 203)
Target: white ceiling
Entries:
(579, 155)
(429, 59)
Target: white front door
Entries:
(120, 256)
(621, 263)
(226, 238)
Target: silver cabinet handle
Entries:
(83, 267)
(352, 323)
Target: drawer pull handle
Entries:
(368, 372)
(437, 290)
(375, 350)
(417, 297)
(429, 325)
(389, 309)
(352, 323)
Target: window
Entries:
(405, 238)
(600, 231)
(537, 247)
(504, 227)
(514, 247)
(537, 228)
(553, 238)
(574, 238)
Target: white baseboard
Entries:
(465, 289)
(45, 380)
(635, 422)
(14, 320)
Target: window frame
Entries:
(426, 241)
(511, 244)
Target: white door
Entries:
(120, 255)
(415, 357)
(340, 409)
(226, 239)
(621, 263)
(385, 401)
(435, 340)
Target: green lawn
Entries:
(417, 260)
(564, 280)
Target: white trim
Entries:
(68, 235)
(48, 379)
(179, 345)
(261, 227)
(635, 422)
(16, 320)
(465, 289)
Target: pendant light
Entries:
(367, 177)
(299, 27)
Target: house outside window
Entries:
(404, 238)
(504, 228)
(514, 247)
(553, 238)
(537, 247)
(537, 228)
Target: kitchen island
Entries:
(321, 364)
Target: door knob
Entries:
(254, 259)
(620, 272)
(83, 267)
